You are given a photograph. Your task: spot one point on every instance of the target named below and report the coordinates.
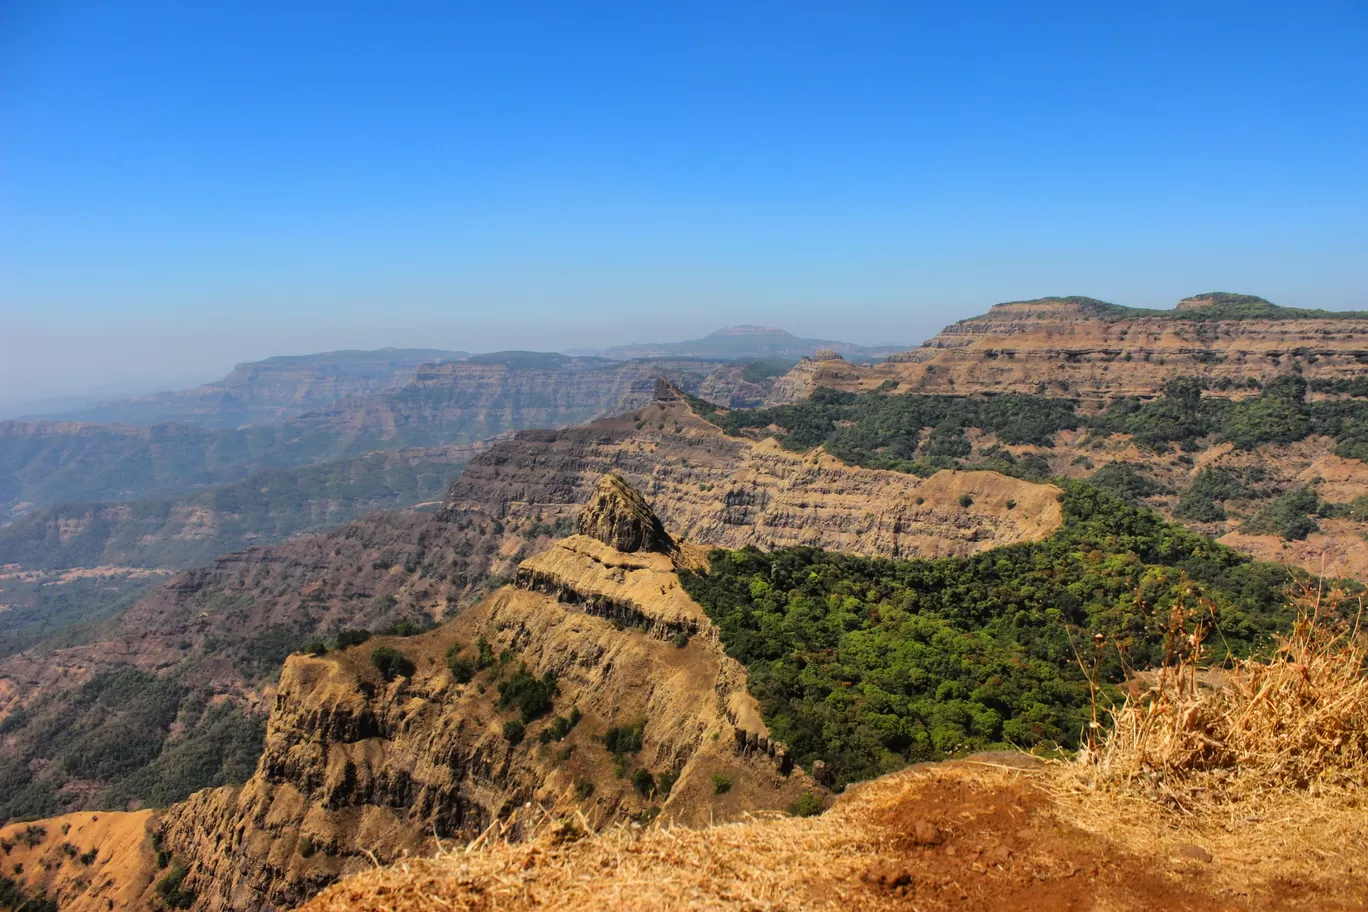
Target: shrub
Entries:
(349, 638)
(966, 501)
(1126, 480)
(462, 670)
(170, 890)
(1204, 500)
(721, 784)
(315, 648)
(561, 725)
(807, 805)
(391, 663)
(1288, 516)
(513, 731)
(665, 783)
(625, 739)
(305, 846)
(583, 788)
(530, 694)
(644, 782)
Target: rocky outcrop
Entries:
(357, 769)
(619, 517)
(811, 373)
(1083, 348)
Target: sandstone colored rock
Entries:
(359, 769)
(618, 516)
(1073, 347)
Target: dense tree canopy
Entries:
(868, 664)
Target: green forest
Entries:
(887, 430)
(116, 731)
(870, 664)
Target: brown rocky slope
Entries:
(1094, 351)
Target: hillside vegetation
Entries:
(870, 664)
(885, 429)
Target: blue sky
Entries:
(186, 185)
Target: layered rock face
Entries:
(1072, 346)
(357, 768)
(731, 492)
(618, 516)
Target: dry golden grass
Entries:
(753, 864)
(1264, 765)
(1297, 721)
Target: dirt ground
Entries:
(975, 835)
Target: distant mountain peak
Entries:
(748, 342)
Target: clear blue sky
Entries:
(188, 184)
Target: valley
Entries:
(718, 589)
(44, 463)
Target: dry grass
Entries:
(1264, 765)
(758, 864)
(1297, 721)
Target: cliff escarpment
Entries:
(193, 529)
(731, 492)
(1095, 351)
(636, 713)
(273, 390)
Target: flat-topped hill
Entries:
(1083, 347)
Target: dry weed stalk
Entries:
(1296, 721)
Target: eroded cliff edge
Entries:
(357, 766)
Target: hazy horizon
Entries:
(190, 186)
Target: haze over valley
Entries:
(820, 458)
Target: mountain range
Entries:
(716, 589)
(744, 343)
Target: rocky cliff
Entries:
(731, 492)
(1097, 351)
(358, 767)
